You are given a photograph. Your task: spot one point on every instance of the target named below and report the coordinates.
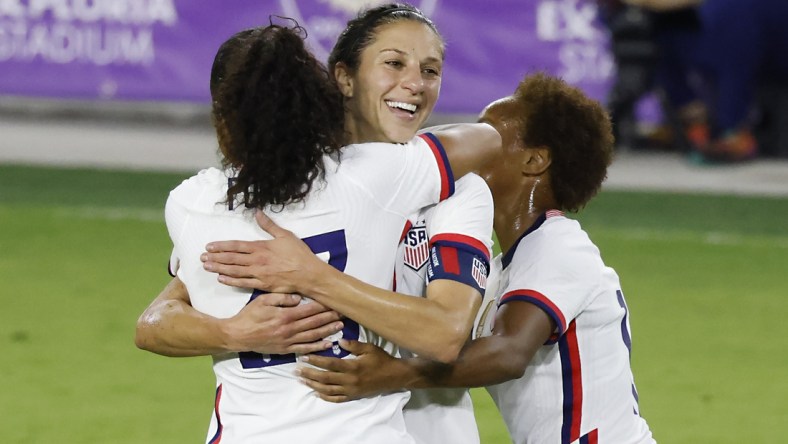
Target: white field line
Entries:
(112, 213)
(700, 237)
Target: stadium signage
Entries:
(162, 50)
(99, 32)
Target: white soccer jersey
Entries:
(353, 220)
(463, 221)
(579, 386)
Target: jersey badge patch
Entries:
(479, 273)
(416, 247)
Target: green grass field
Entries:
(82, 253)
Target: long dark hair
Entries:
(276, 112)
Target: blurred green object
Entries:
(82, 252)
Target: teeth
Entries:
(402, 105)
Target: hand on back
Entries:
(275, 323)
(284, 264)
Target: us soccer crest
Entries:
(479, 273)
(324, 20)
(416, 246)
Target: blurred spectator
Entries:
(638, 35)
(634, 50)
(710, 71)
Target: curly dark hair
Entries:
(360, 32)
(577, 131)
(276, 112)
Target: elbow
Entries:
(147, 341)
(512, 363)
(144, 334)
(512, 368)
(141, 344)
(141, 340)
(449, 350)
(147, 334)
(447, 354)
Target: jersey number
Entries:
(335, 244)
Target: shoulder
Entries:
(464, 218)
(465, 135)
(470, 208)
(409, 165)
(471, 186)
(378, 150)
(560, 245)
(471, 196)
(201, 191)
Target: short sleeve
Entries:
(199, 193)
(175, 215)
(558, 278)
(466, 219)
(461, 235)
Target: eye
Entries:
(394, 63)
(431, 72)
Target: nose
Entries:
(412, 80)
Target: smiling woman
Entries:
(388, 66)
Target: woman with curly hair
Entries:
(274, 120)
(281, 128)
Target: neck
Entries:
(351, 132)
(517, 208)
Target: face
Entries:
(396, 85)
(500, 173)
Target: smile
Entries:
(409, 107)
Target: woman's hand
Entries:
(284, 264)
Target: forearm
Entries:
(521, 329)
(483, 362)
(170, 326)
(430, 328)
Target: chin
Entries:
(401, 139)
(402, 135)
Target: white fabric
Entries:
(557, 267)
(444, 415)
(367, 198)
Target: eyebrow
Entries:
(403, 53)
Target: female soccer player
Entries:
(242, 115)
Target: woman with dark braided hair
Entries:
(280, 124)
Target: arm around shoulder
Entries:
(521, 328)
(468, 146)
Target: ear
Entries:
(344, 79)
(535, 161)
